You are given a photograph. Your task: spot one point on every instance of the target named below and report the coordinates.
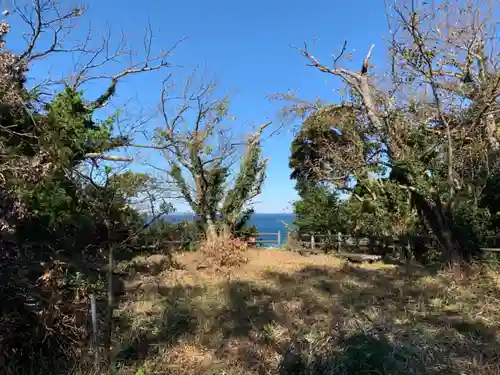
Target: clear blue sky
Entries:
(246, 44)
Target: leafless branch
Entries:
(149, 64)
(337, 58)
(43, 17)
(358, 82)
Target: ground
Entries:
(283, 313)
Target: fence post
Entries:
(279, 238)
(312, 242)
(109, 316)
(95, 339)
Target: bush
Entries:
(222, 250)
(43, 320)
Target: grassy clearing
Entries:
(284, 313)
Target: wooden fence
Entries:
(341, 241)
(261, 239)
(338, 241)
(496, 241)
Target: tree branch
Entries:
(107, 157)
(40, 25)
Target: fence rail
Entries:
(260, 238)
(340, 240)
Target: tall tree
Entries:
(53, 208)
(375, 206)
(201, 153)
(433, 128)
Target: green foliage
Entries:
(248, 184)
(182, 185)
(62, 216)
(241, 228)
(70, 132)
(215, 190)
(128, 184)
(201, 171)
(319, 211)
(431, 131)
(490, 200)
(471, 224)
(64, 210)
(162, 235)
(373, 207)
(388, 195)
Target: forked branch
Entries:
(357, 81)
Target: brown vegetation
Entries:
(221, 250)
(283, 313)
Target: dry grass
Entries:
(282, 313)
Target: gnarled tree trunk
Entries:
(439, 222)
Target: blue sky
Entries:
(246, 44)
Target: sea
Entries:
(268, 224)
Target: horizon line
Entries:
(260, 213)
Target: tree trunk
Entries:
(439, 223)
(210, 225)
(109, 315)
(492, 132)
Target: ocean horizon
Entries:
(267, 223)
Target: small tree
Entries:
(201, 153)
(318, 211)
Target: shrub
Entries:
(222, 250)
